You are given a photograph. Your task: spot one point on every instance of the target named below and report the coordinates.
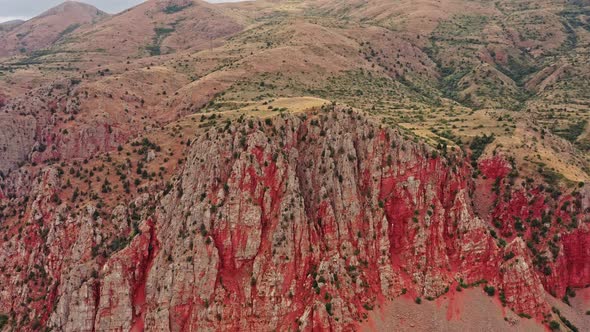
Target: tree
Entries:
(329, 308)
(3, 320)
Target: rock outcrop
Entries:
(299, 222)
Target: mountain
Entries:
(154, 28)
(300, 165)
(47, 28)
(9, 25)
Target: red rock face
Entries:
(312, 220)
(576, 259)
(301, 222)
(495, 168)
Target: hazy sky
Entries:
(25, 9)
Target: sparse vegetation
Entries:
(390, 101)
(478, 145)
(173, 8)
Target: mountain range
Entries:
(296, 165)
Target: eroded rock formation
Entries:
(296, 222)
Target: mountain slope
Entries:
(9, 25)
(154, 28)
(42, 31)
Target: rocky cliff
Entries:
(295, 222)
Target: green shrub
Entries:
(3, 321)
(329, 308)
(573, 131)
(554, 325)
(479, 144)
(171, 9)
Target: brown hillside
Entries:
(42, 31)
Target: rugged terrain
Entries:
(297, 165)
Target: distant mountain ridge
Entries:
(45, 29)
(8, 25)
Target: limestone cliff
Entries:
(299, 222)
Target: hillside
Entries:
(9, 25)
(296, 165)
(49, 27)
(155, 28)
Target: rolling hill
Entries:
(42, 31)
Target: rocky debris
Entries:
(468, 310)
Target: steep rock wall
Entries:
(313, 220)
(296, 222)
